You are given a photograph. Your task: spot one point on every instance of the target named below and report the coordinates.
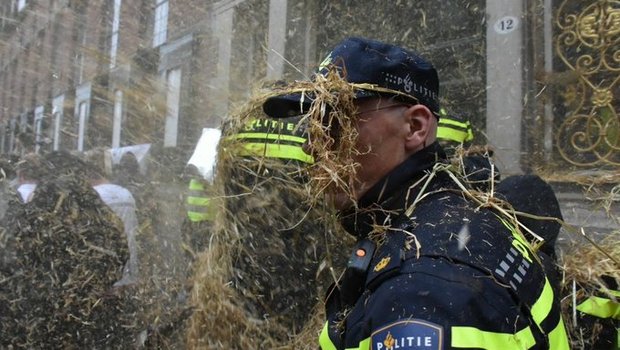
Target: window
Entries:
(80, 43)
(118, 119)
(38, 128)
(82, 114)
(57, 125)
(173, 81)
(3, 137)
(116, 19)
(57, 112)
(160, 27)
(12, 134)
(23, 128)
(21, 4)
(82, 111)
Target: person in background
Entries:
(7, 176)
(200, 207)
(438, 272)
(123, 204)
(9, 199)
(128, 171)
(28, 175)
(455, 135)
(453, 131)
(200, 212)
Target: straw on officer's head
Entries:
(373, 69)
(357, 69)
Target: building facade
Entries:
(538, 78)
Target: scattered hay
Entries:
(69, 251)
(586, 264)
(589, 270)
(271, 255)
(256, 257)
(586, 178)
(331, 133)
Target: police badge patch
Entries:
(409, 334)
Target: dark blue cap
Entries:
(377, 69)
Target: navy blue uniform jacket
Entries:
(448, 273)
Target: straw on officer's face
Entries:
(332, 135)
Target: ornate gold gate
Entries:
(587, 44)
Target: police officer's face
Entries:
(389, 132)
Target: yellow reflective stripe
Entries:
(363, 345)
(558, 340)
(267, 136)
(451, 134)
(197, 217)
(275, 151)
(464, 125)
(519, 242)
(542, 306)
(196, 185)
(470, 337)
(446, 131)
(201, 201)
(600, 307)
(541, 309)
(462, 132)
(200, 211)
(324, 341)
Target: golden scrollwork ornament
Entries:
(588, 43)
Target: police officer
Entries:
(259, 137)
(199, 206)
(454, 131)
(598, 315)
(443, 272)
(199, 202)
(262, 167)
(200, 212)
(277, 139)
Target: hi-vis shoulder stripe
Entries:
(558, 339)
(327, 344)
(324, 341)
(447, 122)
(195, 185)
(542, 306)
(444, 133)
(266, 136)
(471, 337)
(274, 151)
(600, 307)
(199, 201)
(453, 130)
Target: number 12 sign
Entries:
(506, 24)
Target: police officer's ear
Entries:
(422, 128)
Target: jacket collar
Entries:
(386, 199)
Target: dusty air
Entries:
(309, 174)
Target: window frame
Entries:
(115, 32)
(160, 22)
(82, 114)
(174, 79)
(57, 116)
(117, 118)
